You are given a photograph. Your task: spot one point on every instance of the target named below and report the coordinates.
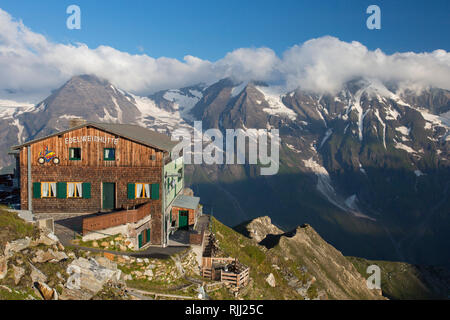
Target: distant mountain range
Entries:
(367, 167)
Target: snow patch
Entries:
(326, 189)
(351, 202)
(403, 130)
(377, 114)
(15, 104)
(68, 116)
(418, 173)
(361, 115)
(399, 145)
(119, 111)
(290, 146)
(238, 89)
(327, 135)
(20, 129)
(196, 93)
(391, 114)
(273, 96)
(107, 117)
(182, 101)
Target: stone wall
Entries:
(130, 230)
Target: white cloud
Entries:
(32, 66)
(249, 64)
(326, 63)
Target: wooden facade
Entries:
(100, 179)
(128, 153)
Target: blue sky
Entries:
(210, 29)
(143, 46)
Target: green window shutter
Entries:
(86, 191)
(61, 190)
(155, 191)
(36, 190)
(131, 191)
(148, 235)
(140, 240)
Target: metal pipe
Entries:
(30, 201)
(163, 211)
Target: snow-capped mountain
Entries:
(369, 163)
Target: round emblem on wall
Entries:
(41, 160)
(56, 160)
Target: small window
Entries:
(109, 154)
(142, 191)
(74, 153)
(74, 189)
(48, 189)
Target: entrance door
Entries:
(109, 192)
(183, 219)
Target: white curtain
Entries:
(53, 189)
(147, 190)
(79, 187)
(71, 189)
(72, 153)
(45, 189)
(139, 190)
(106, 153)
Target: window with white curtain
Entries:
(74, 189)
(142, 190)
(48, 189)
(74, 153)
(147, 190)
(109, 154)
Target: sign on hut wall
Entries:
(91, 139)
(47, 156)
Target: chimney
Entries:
(75, 122)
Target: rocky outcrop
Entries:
(88, 276)
(258, 229)
(41, 262)
(188, 192)
(47, 292)
(37, 275)
(3, 267)
(317, 263)
(334, 272)
(50, 255)
(18, 274)
(46, 238)
(16, 246)
(271, 280)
